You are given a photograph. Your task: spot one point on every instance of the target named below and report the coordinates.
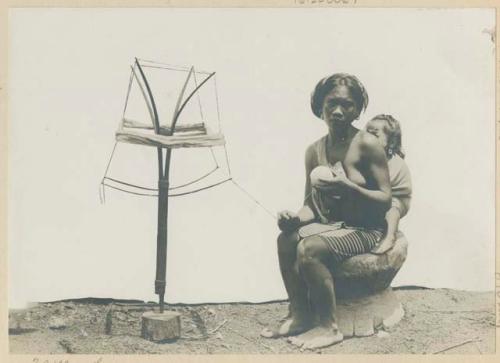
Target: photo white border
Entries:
(4, 345)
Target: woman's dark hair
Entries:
(394, 134)
(338, 79)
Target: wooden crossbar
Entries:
(175, 141)
(198, 128)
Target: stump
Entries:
(161, 326)
(361, 316)
(365, 300)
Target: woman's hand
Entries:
(288, 221)
(338, 185)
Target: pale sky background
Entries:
(69, 69)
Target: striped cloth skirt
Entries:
(342, 241)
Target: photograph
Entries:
(294, 180)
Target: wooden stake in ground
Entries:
(163, 182)
(163, 175)
(161, 326)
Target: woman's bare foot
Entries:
(318, 337)
(289, 327)
(300, 339)
(384, 246)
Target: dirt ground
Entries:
(436, 321)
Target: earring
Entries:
(390, 151)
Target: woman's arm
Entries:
(373, 156)
(289, 221)
(306, 213)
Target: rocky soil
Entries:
(436, 321)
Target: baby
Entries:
(388, 131)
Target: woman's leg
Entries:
(300, 314)
(294, 283)
(314, 257)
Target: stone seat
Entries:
(368, 273)
(365, 300)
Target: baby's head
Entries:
(388, 131)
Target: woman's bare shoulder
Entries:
(314, 149)
(316, 145)
(368, 145)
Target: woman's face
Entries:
(377, 129)
(339, 107)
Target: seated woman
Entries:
(388, 131)
(362, 195)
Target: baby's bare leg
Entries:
(392, 218)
